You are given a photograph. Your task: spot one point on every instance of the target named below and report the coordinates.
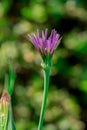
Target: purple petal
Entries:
(38, 33)
(55, 43)
(39, 39)
(30, 37)
(51, 37)
(43, 36)
(48, 45)
(34, 40)
(46, 33)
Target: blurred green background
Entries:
(67, 99)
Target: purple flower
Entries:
(45, 45)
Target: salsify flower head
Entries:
(45, 44)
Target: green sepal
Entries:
(10, 125)
(9, 80)
(47, 62)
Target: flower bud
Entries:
(4, 106)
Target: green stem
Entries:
(46, 86)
